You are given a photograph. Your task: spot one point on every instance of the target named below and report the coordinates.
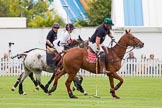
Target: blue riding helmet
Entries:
(70, 26)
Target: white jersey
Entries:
(63, 38)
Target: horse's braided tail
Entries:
(14, 56)
(19, 56)
(32, 50)
(24, 54)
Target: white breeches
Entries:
(94, 46)
(59, 48)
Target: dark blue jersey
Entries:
(101, 32)
(51, 36)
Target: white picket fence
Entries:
(141, 68)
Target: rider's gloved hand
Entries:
(98, 51)
(112, 39)
(51, 46)
(71, 41)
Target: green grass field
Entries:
(134, 93)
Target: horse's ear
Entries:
(126, 31)
(80, 38)
(129, 30)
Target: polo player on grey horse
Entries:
(40, 60)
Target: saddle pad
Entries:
(91, 57)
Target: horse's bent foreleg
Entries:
(116, 76)
(49, 82)
(57, 76)
(113, 89)
(68, 83)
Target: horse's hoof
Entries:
(46, 91)
(37, 88)
(85, 94)
(24, 93)
(49, 94)
(116, 97)
(72, 96)
(52, 89)
(13, 89)
(112, 91)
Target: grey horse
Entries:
(35, 62)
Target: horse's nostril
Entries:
(142, 45)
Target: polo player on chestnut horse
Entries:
(76, 58)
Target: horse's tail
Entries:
(24, 54)
(19, 56)
(32, 50)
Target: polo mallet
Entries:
(97, 63)
(67, 6)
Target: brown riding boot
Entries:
(102, 63)
(103, 68)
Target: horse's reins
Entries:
(123, 47)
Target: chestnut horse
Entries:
(78, 57)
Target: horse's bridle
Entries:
(138, 44)
(130, 38)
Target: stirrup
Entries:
(105, 71)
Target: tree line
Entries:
(38, 14)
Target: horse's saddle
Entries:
(103, 58)
(91, 58)
(53, 58)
